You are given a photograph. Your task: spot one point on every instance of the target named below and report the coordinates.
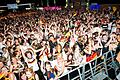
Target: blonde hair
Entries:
(58, 45)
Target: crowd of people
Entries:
(42, 45)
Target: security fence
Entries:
(96, 69)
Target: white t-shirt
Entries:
(34, 65)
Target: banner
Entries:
(94, 6)
(52, 8)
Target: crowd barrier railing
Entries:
(110, 61)
(94, 70)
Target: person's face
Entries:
(87, 47)
(105, 38)
(118, 30)
(14, 60)
(43, 43)
(70, 57)
(1, 39)
(16, 41)
(17, 52)
(1, 65)
(8, 43)
(105, 22)
(29, 55)
(4, 50)
(77, 32)
(48, 67)
(23, 77)
(32, 36)
(28, 74)
(5, 71)
(49, 55)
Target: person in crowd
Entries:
(5, 72)
(31, 75)
(16, 66)
(31, 61)
(23, 75)
(50, 73)
(60, 65)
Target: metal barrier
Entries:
(93, 70)
(109, 61)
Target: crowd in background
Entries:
(43, 45)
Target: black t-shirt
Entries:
(52, 45)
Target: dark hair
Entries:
(3, 48)
(27, 53)
(104, 35)
(47, 63)
(70, 59)
(21, 73)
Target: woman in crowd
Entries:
(31, 75)
(16, 67)
(50, 73)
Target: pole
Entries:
(55, 2)
(47, 2)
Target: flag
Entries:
(114, 9)
(75, 14)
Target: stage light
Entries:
(17, 1)
(66, 4)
